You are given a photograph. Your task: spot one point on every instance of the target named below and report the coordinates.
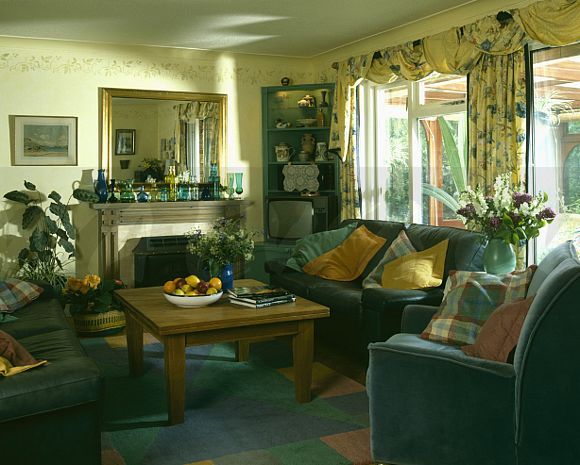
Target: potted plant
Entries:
(49, 247)
(509, 218)
(92, 306)
(222, 246)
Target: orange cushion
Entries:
(347, 261)
(500, 333)
(417, 270)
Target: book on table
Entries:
(262, 303)
(259, 292)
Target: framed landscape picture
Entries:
(125, 142)
(44, 140)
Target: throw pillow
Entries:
(417, 270)
(314, 245)
(471, 298)
(15, 294)
(347, 261)
(500, 333)
(399, 247)
(14, 358)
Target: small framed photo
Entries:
(44, 140)
(125, 142)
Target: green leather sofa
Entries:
(359, 316)
(50, 414)
(430, 404)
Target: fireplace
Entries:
(159, 259)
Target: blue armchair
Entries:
(430, 404)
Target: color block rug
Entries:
(236, 413)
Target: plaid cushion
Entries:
(15, 294)
(399, 247)
(470, 298)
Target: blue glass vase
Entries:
(499, 257)
(101, 187)
(227, 276)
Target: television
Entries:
(292, 218)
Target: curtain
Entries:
(208, 113)
(490, 51)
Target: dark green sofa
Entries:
(359, 316)
(430, 404)
(50, 414)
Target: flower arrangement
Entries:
(153, 167)
(225, 243)
(90, 294)
(510, 214)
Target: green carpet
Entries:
(236, 413)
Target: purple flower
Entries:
(494, 223)
(521, 197)
(468, 211)
(515, 217)
(546, 214)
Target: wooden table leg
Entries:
(134, 344)
(242, 351)
(175, 377)
(303, 348)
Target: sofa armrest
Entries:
(416, 318)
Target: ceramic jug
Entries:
(308, 143)
(283, 152)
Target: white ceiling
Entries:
(296, 28)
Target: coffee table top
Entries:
(150, 307)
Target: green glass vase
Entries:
(499, 257)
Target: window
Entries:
(555, 156)
(412, 145)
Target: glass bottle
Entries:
(320, 118)
(127, 194)
(194, 189)
(170, 180)
(142, 196)
(101, 186)
(239, 185)
(112, 197)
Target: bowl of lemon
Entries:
(192, 292)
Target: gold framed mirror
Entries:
(140, 128)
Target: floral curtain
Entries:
(208, 113)
(491, 52)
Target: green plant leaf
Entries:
(62, 234)
(23, 256)
(45, 255)
(58, 209)
(458, 171)
(31, 216)
(66, 245)
(17, 196)
(68, 227)
(51, 225)
(29, 186)
(439, 194)
(38, 240)
(51, 240)
(55, 196)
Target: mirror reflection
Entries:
(148, 134)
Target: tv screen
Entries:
(290, 219)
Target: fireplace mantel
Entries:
(112, 216)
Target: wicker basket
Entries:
(99, 324)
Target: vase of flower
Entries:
(227, 276)
(499, 257)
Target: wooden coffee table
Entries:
(147, 310)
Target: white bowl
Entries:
(306, 122)
(192, 301)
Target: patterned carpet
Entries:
(236, 413)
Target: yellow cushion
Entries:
(347, 261)
(417, 270)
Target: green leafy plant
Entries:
(457, 160)
(49, 247)
(225, 243)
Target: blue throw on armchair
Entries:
(430, 404)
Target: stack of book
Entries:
(260, 296)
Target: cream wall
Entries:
(63, 78)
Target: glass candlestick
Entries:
(239, 188)
(231, 189)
